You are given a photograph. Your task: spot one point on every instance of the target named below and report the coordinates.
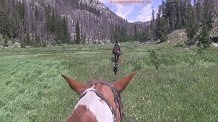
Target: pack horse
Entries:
(99, 101)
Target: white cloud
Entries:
(146, 14)
(131, 21)
(105, 1)
(124, 10)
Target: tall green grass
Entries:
(183, 88)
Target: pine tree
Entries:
(77, 31)
(21, 10)
(184, 4)
(153, 16)
(163, 30)
(199, 11)
(136, 33)
(65, 31)
(208, 14)
(5, 18)
(12, 26)
(163, 8)
(191, 25)
(2, 15)
(204, 37)
(152, 27)
(84, 38)
(6, 40)
(62, 30)
(178, 15)
(144, 36)
(158, 24)
(162, 27)
(171, 10)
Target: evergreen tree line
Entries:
(11, 20)
(80, 37)
(16, 24)
(119, 33)
(179, 14)
(57, 25)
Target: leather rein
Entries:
(117, 98)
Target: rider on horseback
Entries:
(116, 51)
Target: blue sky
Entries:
(133, 12)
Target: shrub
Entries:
(155, 59)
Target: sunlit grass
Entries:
(183, 88)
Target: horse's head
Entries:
(99, 100)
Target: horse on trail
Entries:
(116, 51)
(99, 101)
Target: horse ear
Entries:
(75, 85)
(121, 84)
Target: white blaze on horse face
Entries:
(97, 106)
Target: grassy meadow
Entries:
(173, 83)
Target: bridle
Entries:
(117, 98)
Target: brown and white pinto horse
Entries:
(99, 100)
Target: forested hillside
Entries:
(196, 18)
(31, 25)
(43, 22)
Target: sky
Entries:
(133, 12)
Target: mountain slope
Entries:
(96, 21)
(64, 21)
